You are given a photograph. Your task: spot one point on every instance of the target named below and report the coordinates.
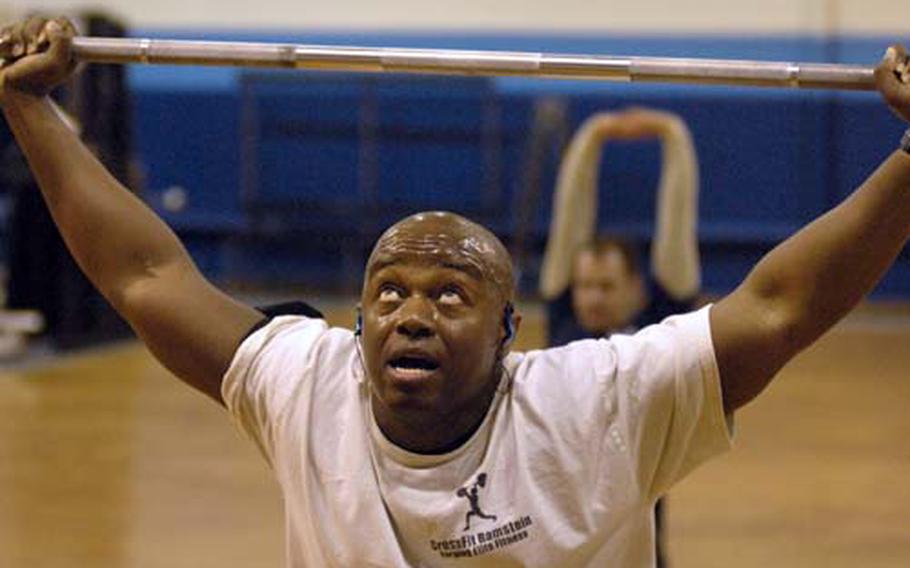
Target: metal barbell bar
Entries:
(477, 63)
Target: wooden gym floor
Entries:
(106, 461)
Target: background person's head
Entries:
(608, 289)
(435, 295)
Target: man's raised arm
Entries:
(675, 259)
(675, 262)
(127, 252)
(574, 217)
(810, 281)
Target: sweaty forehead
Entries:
(446, 240)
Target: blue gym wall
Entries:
(313, 194)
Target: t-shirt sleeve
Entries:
(267, 374)
(669, 400)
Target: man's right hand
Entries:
(892, 77)
(36, 56)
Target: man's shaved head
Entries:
(443, 237)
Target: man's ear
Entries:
(511, 321)
(516, 322)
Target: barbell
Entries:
(480, 63)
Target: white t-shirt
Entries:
(564, 471)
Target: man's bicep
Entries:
(190, 326)
(750, 346)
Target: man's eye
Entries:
(450, 297)
(389, 294)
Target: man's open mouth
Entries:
(412, 366)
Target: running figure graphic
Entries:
(473, 498)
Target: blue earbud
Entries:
(508, 324)
(358, 324)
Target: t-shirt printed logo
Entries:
(473, 497)
(471, 544)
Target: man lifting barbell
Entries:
(371, 433)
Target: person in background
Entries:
(596, 285)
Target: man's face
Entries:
(432, 319)
(605, 295)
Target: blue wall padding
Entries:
(331, 160)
